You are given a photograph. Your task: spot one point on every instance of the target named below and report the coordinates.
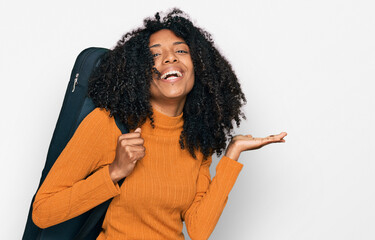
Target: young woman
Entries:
(179, 96)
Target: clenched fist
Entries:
(129, 150)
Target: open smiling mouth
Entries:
(171, 75)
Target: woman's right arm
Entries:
(80, 178)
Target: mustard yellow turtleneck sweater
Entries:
(166, 187)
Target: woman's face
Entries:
(173, 61)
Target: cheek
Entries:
(190, 83)
(156, 67)
(154, 92)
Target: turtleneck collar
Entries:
(164, 125)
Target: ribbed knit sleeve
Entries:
(201, 217)
(79, 180)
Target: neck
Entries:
(171, 109)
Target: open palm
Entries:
(242, 143)
(248, 142)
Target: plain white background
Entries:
(306, 67)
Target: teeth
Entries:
(171, 72)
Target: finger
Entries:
(131, 141)
(138, 155)
(274, 139)
(267, 140)
(129, 135)
(281, 135)
(135, 153)
(135, 149)
(277, 137)
(138, 130)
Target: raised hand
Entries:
(129, 150)
(242, 143)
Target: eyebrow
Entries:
(175, 43)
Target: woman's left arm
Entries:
(211, 197)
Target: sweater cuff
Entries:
(227, 171)
(229, 164)
(112, 188)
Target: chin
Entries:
(174, 96)
(169, 91)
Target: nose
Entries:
(170, 57)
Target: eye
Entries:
(181, 51)
(155, 54)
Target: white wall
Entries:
(307, 68)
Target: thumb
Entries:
(138, 130)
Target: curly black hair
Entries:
(121, 84)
